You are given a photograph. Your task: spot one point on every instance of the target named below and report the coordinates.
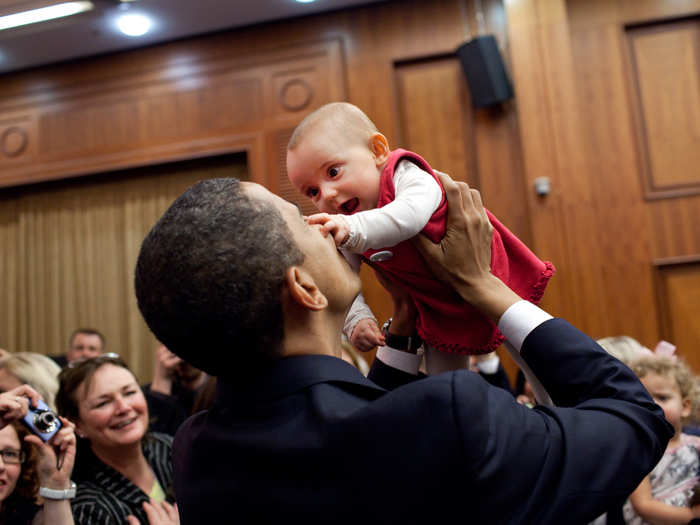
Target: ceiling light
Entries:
(305, 1)
(134, 24)
(43, 14)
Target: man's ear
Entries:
(303, 289)
(379, 147)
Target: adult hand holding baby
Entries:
(467, 227)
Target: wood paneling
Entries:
(665, 66)
(436, 117)
(187, 110)
(679, 305)
(574, 86)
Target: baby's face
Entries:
(339, 176)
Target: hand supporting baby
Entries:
(336, 225)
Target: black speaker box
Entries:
(486, 74)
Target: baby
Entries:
(373, 200)
(665, 495)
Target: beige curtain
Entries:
(69, 250)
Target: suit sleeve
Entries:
(389, 377)
(570, 462)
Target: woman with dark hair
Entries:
(122, 471)
(30, 468)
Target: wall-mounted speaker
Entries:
(485, 72)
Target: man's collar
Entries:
(290, 374)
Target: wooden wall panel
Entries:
(151, 117)
(679, 305)
(436, 117)
(665, 66)
(576, 110)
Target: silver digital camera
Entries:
(41, 420)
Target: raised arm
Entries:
(568, 463)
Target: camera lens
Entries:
(45, 421)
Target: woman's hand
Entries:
(14, 403)
(164, 370)
(56, 456)
(158, 514)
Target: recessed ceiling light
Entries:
(305, 1)
(134, 24)
(43, 14)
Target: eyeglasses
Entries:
(104, 358)
(12, 457)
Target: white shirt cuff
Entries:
(404, 361)
(519, 320)
(489, 366)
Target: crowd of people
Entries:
(260, 410)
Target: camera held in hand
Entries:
(43, 421)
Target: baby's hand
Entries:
(333, 224)
(366, 335)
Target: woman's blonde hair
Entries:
(624, 348)
(37, 370)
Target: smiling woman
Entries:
(120, 466)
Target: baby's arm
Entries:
(418, 195)
(361, 326)
(658, 512)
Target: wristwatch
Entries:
(48, 493)
(407, 343)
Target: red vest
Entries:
(445, 321)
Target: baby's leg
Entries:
(437, 362)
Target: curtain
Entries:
(69, 251)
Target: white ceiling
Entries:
(95, 32)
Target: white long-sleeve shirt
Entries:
(418, 196)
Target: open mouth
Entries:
(349, 207)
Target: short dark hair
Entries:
(209, 278)
(87, 331)
(74, 375)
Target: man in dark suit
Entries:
(235, 281)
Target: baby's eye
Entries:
(311, 192)
(333, 171)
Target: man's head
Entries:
(335, 157)
(213, 273)
(85, 343)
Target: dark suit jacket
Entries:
(312, 441)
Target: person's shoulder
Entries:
(691, 440)
(439, 391)
(158, 439)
